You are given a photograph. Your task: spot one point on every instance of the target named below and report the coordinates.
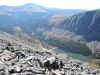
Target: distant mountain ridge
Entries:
(36, 6)
(29, 16)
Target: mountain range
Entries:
(64, 28)
(29, 16)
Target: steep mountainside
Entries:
(85, 24)
(66, 30)
(79, 27)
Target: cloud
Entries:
(67, 4)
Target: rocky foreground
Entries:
(19, 58)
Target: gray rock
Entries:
(18, 58)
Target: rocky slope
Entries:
(19, 58)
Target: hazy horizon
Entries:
(63, 4)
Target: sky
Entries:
(65, 4)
